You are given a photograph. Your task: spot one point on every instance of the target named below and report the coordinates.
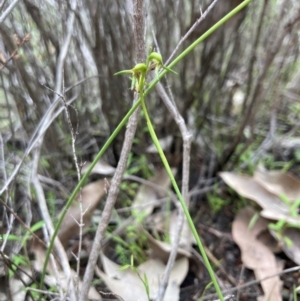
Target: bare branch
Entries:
(46, 217)
(138, 25)
(6, 13)
(202, 17)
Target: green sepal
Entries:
(139, 68)
(123, 72)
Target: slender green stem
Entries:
(181, 200)
(81, 183)
(123, 122)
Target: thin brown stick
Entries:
(42, 201)
(22, 223)
(14, 53)
(8, 11)
(198, 21)
(186, 136)
(138, 25)
(47, 218)
(250, 283)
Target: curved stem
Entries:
(152, 133)
(81, 183)
(181, 200)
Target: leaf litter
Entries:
(275, 192)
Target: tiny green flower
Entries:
(136, 72)
(156, 63)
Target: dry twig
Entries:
(138, 25)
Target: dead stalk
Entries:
(138, 26)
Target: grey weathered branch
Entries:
(138, 25)
(10, 8)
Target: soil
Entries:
(215, 231)
(225, 256)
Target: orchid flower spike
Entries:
(156, 63)
(136, 72)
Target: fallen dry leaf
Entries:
(251, 189)
(165, 143)
(161, 249)
(101, 168)
(278, 183)
(264, 188)
(186, 237)
(51, 279)
(275, 215)
(148, 194)
(292, 251)
(129, 286)
(266, 238)
(91, 195)
(255, 255)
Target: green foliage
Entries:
(281, 225)
(210, 284)
(12, 237)
(246, 157)
(138, 164)
(135, 166)
(144, 279)
(139, 73)
(270, 163)
(51, 204)
(132, 242)
(33, 228)
(44, 162)
(17, 261)
(216, 203)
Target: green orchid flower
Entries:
(137, 71)
(156, 62)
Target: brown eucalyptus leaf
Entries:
(51, 279)
(278, 183)
(165, 144)
(186, 237)
(128, 285)
(292, 251)
(149, 195)
(128, 288)
(161, 249)
(266, 238)
(91, 195)
(251, 189)
(101, 168)
(275, 215)
(255, 255)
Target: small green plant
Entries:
(17, 260)
(143, 279)
(270, 163)
(130, 244)
(138, 83)
(133, 242)
(51, 204)
(138, 164)
(247, 157)
(216, 203)
(205, 290)
(281, 225)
